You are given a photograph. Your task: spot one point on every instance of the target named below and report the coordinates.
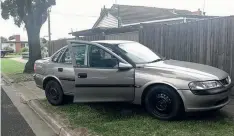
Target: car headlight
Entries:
(204, 85)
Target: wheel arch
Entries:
(148, 86)
(49, 78)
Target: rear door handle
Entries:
(60, 69)
(82, 75)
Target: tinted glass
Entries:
(57, 55)
(79, 52)
(101, 59)
(66, 58)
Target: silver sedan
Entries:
(126, 71)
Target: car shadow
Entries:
(116, 110)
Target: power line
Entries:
(80, 15)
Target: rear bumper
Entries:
(38, 80)
(193, 102)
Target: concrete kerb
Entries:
(58, 128)
(7, 79)
(35, 105)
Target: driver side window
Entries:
(99, 58)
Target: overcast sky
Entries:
(68, 15)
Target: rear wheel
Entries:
(54, 93)
(163, 102)
(2, 55)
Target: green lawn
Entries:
(109, 119)
(14, 70)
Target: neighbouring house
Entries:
(127, 15)
(14, 43)
(120, 19)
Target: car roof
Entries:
(113, 41)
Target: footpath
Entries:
(31, 95)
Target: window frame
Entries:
(73, 55)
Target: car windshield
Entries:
(138, 53)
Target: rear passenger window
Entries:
(66, 58)
(57, 55)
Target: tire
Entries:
(54, 93)
(163, 103)
(2, 55)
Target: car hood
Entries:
(190, 70)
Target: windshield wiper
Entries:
(157, 60)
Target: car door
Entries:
(97, 76)
(63, 70)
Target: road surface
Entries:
(12, 122)
(17, 119)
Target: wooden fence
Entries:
(56, 45)
(208, 42)
(131, 36)
(92, 38)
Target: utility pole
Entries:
(203, 10)
(49, 31)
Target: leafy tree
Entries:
(33, 14)
(3, 39)
(25, 49)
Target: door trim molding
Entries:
(104, 85)
(66, 78)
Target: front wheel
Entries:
(54, 93)
(163, 102)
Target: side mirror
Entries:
(123, 66)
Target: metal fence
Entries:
(208, 42)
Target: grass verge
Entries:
(121, 119)
(14, 70)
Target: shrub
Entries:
(7, 48)
(25, 49)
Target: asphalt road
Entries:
(12, 122)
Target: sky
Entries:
(75, 15)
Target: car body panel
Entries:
(101, 84)
(129, 85)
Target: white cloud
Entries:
(79, 14)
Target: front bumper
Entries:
(193, 102)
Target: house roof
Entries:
(104, 30)
(134, 14)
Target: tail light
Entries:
(34, 67)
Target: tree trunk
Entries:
(34, 47)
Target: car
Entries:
(4, 52)
(127, 71)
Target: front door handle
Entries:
(60, 69)
(82, 75)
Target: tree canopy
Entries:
(22, 11)
(33, 14)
